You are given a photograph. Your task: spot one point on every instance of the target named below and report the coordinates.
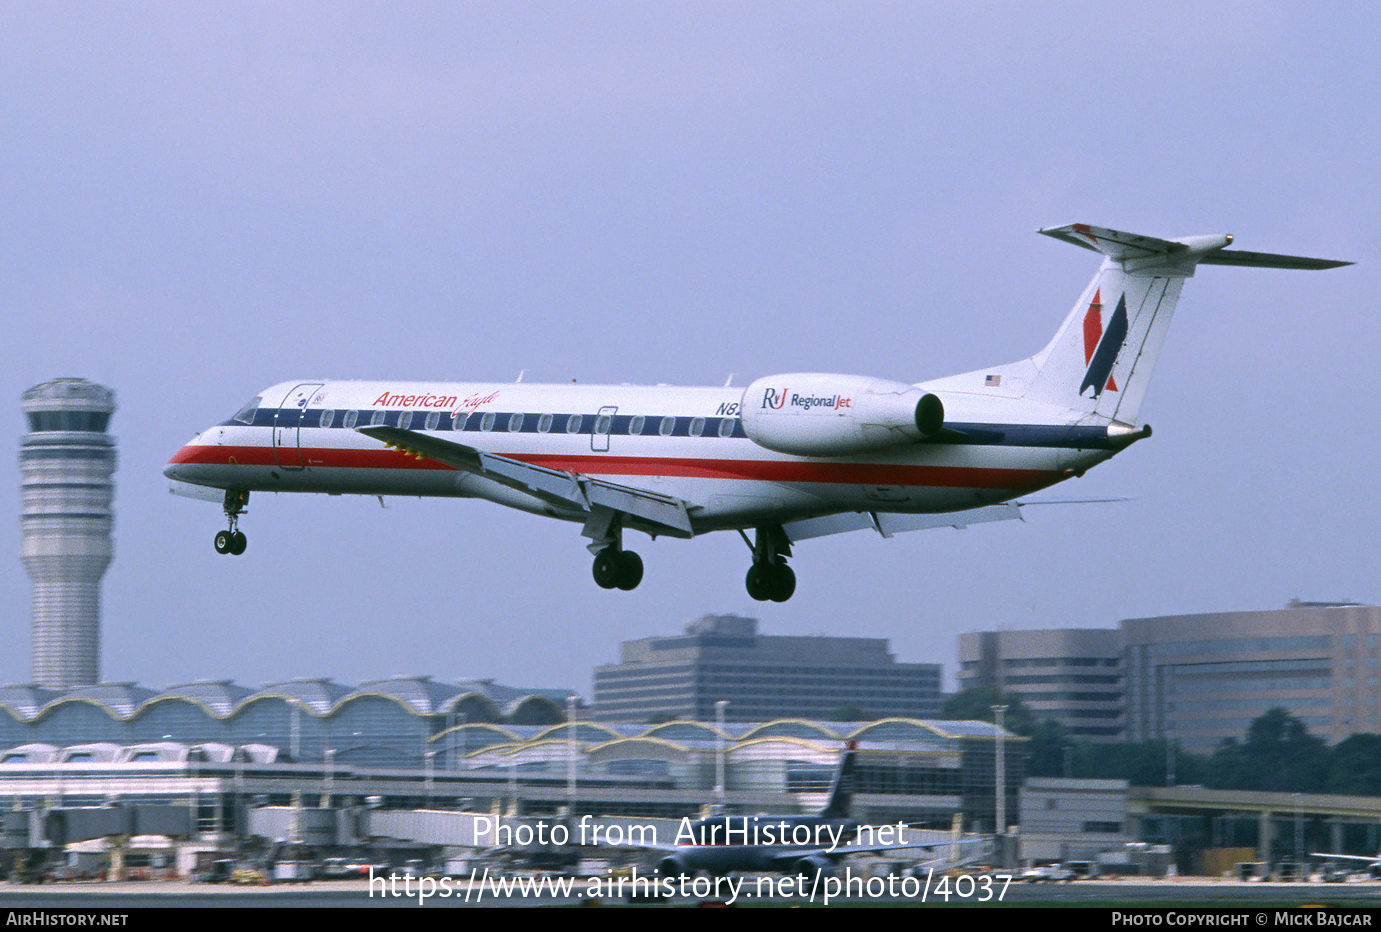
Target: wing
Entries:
(887, 524)
(1345, 857)
(663, 514)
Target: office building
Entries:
(1203, 678)
(1070, 675)
(722, 657)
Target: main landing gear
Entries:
(769, 578)
(233, 541)
(614, 567)
(618, 569)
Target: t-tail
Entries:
(1100, 360)
(842, 792)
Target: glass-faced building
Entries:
(1203, 678)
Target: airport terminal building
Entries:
(218, 751)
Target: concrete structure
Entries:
(1073, 820)
(66, 461)
(1071, 675)
(1199, 679)
(722, 657)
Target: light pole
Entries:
(719, 708)
(430, 755)
(330, 777)
(570, 756)
(1001, 802)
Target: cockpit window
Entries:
(246, 414)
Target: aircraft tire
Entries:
(223, 541)
(606, 568)
(783, 581)
(759, 582)
(630, 571)
(238, 543)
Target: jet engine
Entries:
(820, 414)
(814, 867)
(672, 866)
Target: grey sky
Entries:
(203, 200)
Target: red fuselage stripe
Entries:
(968, 477)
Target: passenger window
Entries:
(726, 427)
(668, 425)
(635, 425)
(327, 417)
(433, 419)
(404, 420)
(603, 424)
(458, 420)
(573, 424)
(487, 422)
(515, 422)
(350, 418)
(544, 423)
(377, 419)
(697, 426)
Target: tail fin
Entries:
(1101, 358)
(842, 792)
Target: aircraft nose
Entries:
(176, 467)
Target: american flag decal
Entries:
(992, 381)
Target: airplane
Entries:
(1371, 866)
(809, 845)
(790, 457)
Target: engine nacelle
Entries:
(814, 867)
(672, 866)
(819, 414)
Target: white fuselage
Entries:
(686, 443)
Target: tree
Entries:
(1279, 755)
(1049, 750)
(976, 705)
(1355, 766)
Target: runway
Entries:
(1182, 893)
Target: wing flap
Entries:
(887, 524)
(670, 515)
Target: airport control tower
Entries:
(66, 461)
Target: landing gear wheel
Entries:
(783, 583)
(770, 582)
(759, 582)
(238, 543)
(223, 541)
(606, 568)
(630, 570)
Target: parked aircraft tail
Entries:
(842, 792)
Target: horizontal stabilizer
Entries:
(1269, 260)
(1208, 250)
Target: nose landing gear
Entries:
(233, 540)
